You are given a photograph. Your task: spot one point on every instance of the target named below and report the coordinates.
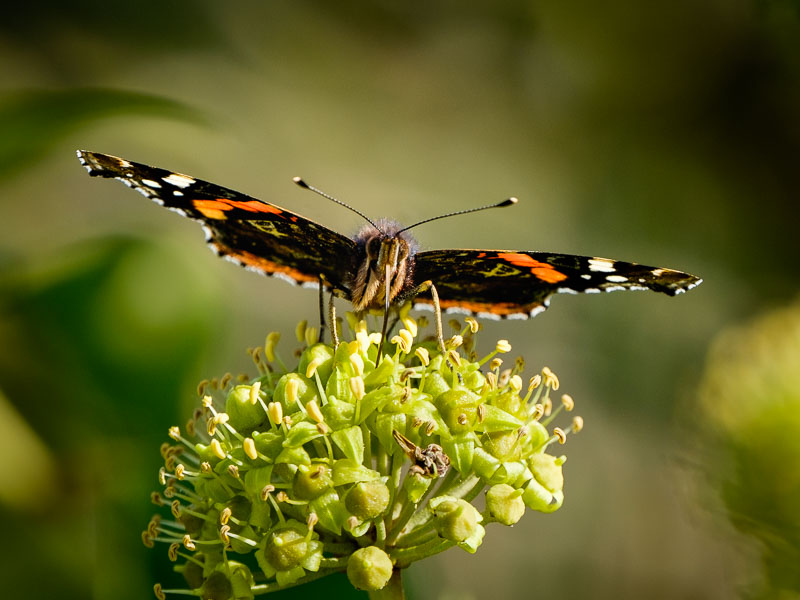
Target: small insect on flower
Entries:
(429, 462)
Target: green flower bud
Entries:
(216, 587)
(312, 481)
(505, 504)
(435, 384)
(369, 568)
(322, 357)
(243, 413)
(455, 519)
(301, 390)
(503, 445)
(368, 499)
(547, 471)
(285, 549)
(459, 409)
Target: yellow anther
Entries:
(226, 379)
(314, 412)
(534, 382)
(548, 406)
(266, 491)
(361, 326)
(216, 448)
(416, 422)
(224, 515)
(404, 339)
(172, 552)
(411, 325)
(312, 335)
(577, 423)
(255, 389)
(208, 402)
(292, 386)
(495, 363)
(358, 364)
(454, 357)
(537, 412)
(249, 447)
(363, 340)
(233, 471)
(423, 356)
(568, 402)
(491, 380)
(375, 338)
(312, 520)
(474, 326)
(159, 592)
(351, 523)
(300, 330)
(287, 420)
(180, 472)
(147, 540)
(312, 367)
(560, 435)
(322, 428)
(282, 496)
(481, 413)
(550, 378)
(454, 342)
(162, 476)
(505, 375)
(515, 383)
(211, 427)
(205, 468)
(175, 509)
(430, 428)
(357, 387)
(269, 345)
(201, 387)
(503, 346)
(175, 432)
(462, 419)
(223, 534)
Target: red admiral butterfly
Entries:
(274, 241)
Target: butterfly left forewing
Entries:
(508, 284)
(255, 234)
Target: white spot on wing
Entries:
(151, 183)
(586, 276)
(565, 290)
(488, 315)
(602, 265)
(310, 285)
(177, 193)
(616, 278)
(181, 181)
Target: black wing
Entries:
(255, 234)
(507, 284)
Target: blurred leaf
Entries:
(34, 121)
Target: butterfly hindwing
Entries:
(506, 284)
(256, 234)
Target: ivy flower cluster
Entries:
(351, 463)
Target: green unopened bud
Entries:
(547, 471)
(216, 587)
(322, 356)
(455, 519)
(244, 415)
(301, 389)
(459, 409)
(505, 504)
(368, 499)
(311, 482)
(369, 568)
(285, 549)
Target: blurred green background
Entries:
(663, 133)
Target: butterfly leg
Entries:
(385, 327)
(322, 309)
(332, 321)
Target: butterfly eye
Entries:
(373, 247)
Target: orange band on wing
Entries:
(540, 270)
(215, 209)
(502, 309)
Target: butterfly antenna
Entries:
(299, 181)
(506, 202)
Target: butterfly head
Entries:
(384, 261)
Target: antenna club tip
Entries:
(299, 181)
(508, 202)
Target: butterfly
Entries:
(382, 264)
